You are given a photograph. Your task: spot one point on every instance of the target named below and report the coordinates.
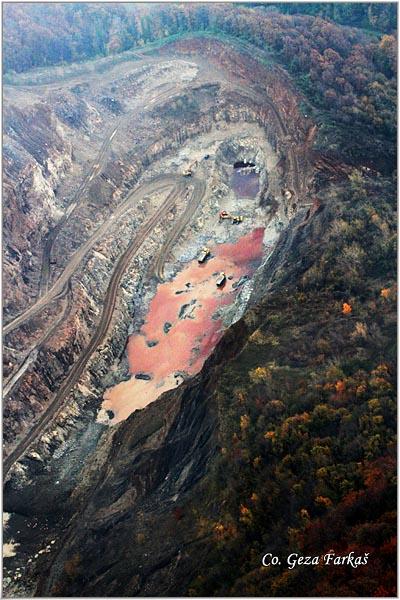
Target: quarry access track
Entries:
(78, 368)
(32, 354)
(157, 184)
(93, 172)
(199, 189)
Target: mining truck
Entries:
(221, 279)
(204, 254)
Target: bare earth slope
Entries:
(147, 465)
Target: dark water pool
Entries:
(245, 184)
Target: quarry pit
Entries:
(137, 171)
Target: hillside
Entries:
(200, 299)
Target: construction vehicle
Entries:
(189, 171)
(204, 254)
(224, 215)
(234, 218)
(221, 279)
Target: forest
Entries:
(308, 410)
(366, 15)
(346, 72)
(307, 413)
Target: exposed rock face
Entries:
(137, 476)
(59, 354)
(144, 472)
(70, 109)
(36, 157)
(133, 527)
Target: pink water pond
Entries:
(182, 327)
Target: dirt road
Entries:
(31, 356)
(197, 194)
(109, 304)
(94, 170)
(158, 184)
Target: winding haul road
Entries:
(32, 354)
(168, 90)
(161, 183)
(195, 197)
(158, 184)
(192, 191)
(95, 169)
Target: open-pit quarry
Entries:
(124, 175)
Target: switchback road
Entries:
(108, 308)
(158, 184)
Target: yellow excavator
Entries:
(234, 218)
(189, 171)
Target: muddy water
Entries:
(182, 327)
(244, 184)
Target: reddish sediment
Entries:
(194, 329)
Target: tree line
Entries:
(341, 68)
(366, 15)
